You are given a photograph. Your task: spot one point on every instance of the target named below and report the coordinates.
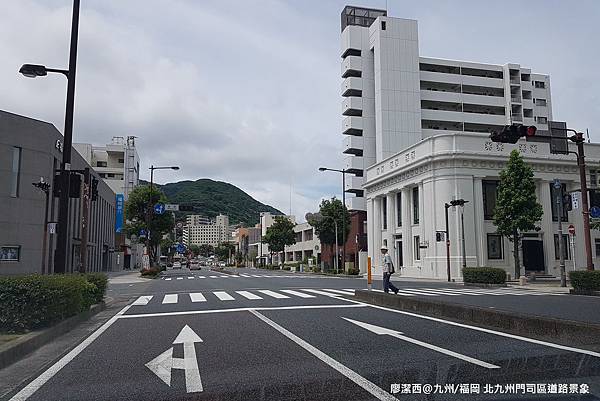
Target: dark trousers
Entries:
(387, 284)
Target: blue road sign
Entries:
(595, 212)
(159, 208)
(142, 233)
(180, 248)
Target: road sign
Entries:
(180, 248)
(575, 200)
(171, 207)
(142, 233)
(163, 364)
(180, 225)
(595, 212)
(159, 208)
(572, 229)
(51, 228)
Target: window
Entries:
(540, 102)
(101, 164)
(539, 84)
(110, 175)
(399, 209)
(384, 212)
(554, 193)
(566, 250)
(490, 192)
(494, 246)
(417, 247)
(383, 25)
(597, 243)
(121, 161)
(542, 120)
(415, 201)
(10, 253)
(16, 172)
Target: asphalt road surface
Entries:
(203, 335)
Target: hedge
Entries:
(34, 301)
(485, 275)
(151, 272)
(100, 280)
(585, 280)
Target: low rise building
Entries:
(307, 246)
(199, 231)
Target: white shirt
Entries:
(386, 262)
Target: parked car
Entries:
(177, 265)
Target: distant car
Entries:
(177, 265)
(222, 264)
(194, 265)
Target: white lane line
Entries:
(342, 292)
(490, 331)
(406, 294)
(208, 311)
(376, 391)
(248, 295)
(213, 276)
(179, 278)
(451, 291)
(200, 276)
(273, 294)
(143, 300)
(197, 297)
(223, 296)
(39, 381)
(298, 294)
(168, 279)
(223, 276)
(170, 299)
(350, 289)
(415, 291)
(190, 277)
(255, 275)
(319, 292)
(244, 275)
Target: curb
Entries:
(514, 323)
(20, 347)
(585, 292)
(485, 285)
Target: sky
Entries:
(248, 91)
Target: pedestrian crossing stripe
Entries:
(240, 275)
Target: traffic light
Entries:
(75, 185)
(512, 133)
(94, 189)
(567, 202)
(458, 202)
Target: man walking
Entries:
(388, 269)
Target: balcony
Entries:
(353, 145)
(352, 126)
(352, 86)
(355, 184)
(352, 67)
(352, 106)
(354, 165)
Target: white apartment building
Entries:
(117, 163)
(416, 135)
(200, 231)
(307, 245)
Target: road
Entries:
(279, 336)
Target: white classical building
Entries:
(417, 136)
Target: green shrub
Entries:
(484, 275)
(352, 271)
(151, 272)
(100, 280)
(588, 280)
(34, 301)
(287, 267)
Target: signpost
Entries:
(595, 212)
(170, 207)
(180, 248)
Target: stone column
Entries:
(480, 233)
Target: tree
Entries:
(195, 249)
(331, 212)
(279, 235)
(167, 246)
(224, 250)
(137, 209)
(206, 250)
(517, 208)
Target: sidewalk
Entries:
(126, 277)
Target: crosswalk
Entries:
(211, 275)
(440, 292)
(223, 296)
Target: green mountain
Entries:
(210, 198)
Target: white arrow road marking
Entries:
(369, 386)
(398, 334)
(163, 364)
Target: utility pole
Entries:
(462, 223)
(85, 213)
(578, 138)
(446, 207)
(45, 187)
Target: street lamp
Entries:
(343, 171)
(461, 203)
(35, 70)
(151, 202)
